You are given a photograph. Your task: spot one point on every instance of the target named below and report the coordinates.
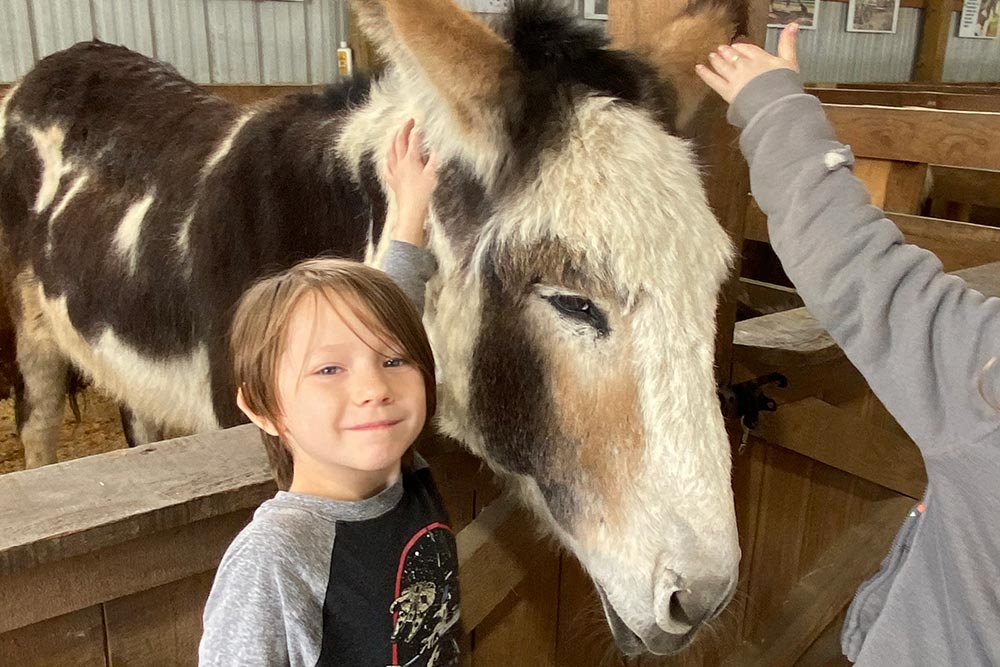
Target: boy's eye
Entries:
(329, 370)
(394, 362)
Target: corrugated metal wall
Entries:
(971, 59)
(830, 53)
(273, 41)
(209, 41)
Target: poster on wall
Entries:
(595, 9)
(980, 19)
(872, 15)
(782, 12)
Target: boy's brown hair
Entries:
(260, 326)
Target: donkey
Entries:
(573, 312)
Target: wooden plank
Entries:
(523, 629)
(953, 138)
(52, 513)
(771, 297)
(71, 640)
(827, 515)
(818, 597)
(58, 587)
(494, 554)
(959, 245)
(777, 547)
(160, 627)
(934, 34)
(826, 651)
(748, 477)
(907, 98)
(794, 338)
(958, 87)
(810, 426)
(970, 186)
(583, 631)
(834, 381)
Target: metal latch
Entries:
(746, 400)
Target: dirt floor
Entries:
(98, 431)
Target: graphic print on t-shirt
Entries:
(425, 609)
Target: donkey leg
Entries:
(41, 401)
(138, 431)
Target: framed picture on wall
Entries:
(782, 12)
(872, 15)
(595, 9)
(980, 19)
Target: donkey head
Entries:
(574, 309)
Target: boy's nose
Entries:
(371, 388)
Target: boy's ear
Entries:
(263, 423)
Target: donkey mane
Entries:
(560, 60)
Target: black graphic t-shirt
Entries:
(405, 610)
(318, 582)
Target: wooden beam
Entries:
(959, 245)
(830, 435)
(820, 596)
(495, 553)
(952, 138)
(894, 186)
(908, 98)
(60, 511)
(968, 186)
(57, 587)
(765, 296)
(966, 88)
(934, 34)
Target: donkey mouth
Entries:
(630, 643)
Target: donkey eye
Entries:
(582, 310)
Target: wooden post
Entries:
(366, 58)
(933, 41)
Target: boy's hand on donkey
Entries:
(732, 67)
(412, 177)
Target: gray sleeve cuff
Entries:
(760, 92)
(411, 267)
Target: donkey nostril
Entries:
(677, 611)
(684, 608)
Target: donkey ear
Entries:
(471, 67)
(689, 32)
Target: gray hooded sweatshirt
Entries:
(921, 338)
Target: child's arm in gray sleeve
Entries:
(411, 267)
(919, 336)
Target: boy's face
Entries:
(349, 404)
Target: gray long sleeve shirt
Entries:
(921, 338)
(313, 581)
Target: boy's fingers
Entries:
(713, 80)
(722, 66)
(416, 145)
(748, 50)
(786, 45)
(404, 137)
